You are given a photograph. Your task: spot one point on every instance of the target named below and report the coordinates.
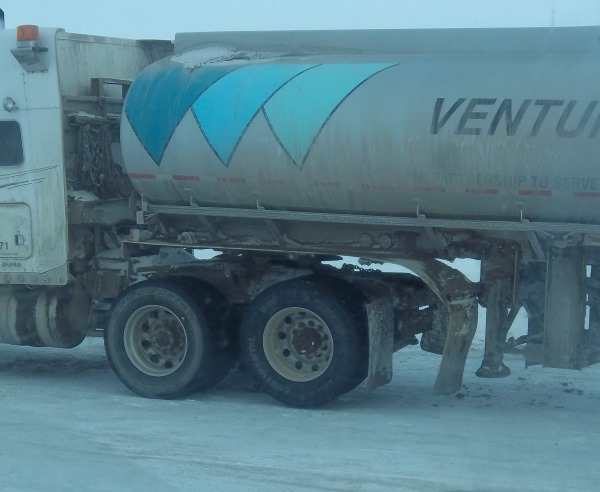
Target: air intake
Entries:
(1, 19)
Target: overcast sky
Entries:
(162, 19)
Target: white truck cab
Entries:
(45, 83)
(33, 233)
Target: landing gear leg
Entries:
(497, 274)
(496, 329)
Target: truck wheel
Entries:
(302, 344)
(160, 344)
(217, 310)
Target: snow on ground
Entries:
(67, 424)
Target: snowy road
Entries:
(68, 425)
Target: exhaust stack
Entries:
(1, 19)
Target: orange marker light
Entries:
(28, 33)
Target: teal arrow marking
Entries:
(300, 109)
(159, 98)
(227, 107)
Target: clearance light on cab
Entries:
(28, 51)
(27, 35)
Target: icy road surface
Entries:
(67, 424)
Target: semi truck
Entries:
(285, 152)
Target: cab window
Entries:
(11, 145)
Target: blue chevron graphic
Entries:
(159, 98)
(296, 99)
(227, 107)
(298, 112)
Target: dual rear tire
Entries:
(304, 341)
(161, 344)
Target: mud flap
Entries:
(458, 294)
(380, 315)
(461, 330)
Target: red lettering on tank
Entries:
(180, 177)
(142, 176)
(377, 187)
(231, 179)
(327, 184)
(482, 191)
(431, 189)
(587, 194)
(535, 192)
(276, 182)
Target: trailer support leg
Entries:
(592, 345)
(498, 270)
(496, 329)
(564, 320)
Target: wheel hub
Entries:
(155, 340)
(306, 341)
(297, 344)
(162, 340)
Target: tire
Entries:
(302, 344)
(160, 344)
(217, 311)
(354, 301)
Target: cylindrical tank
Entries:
(498, 134)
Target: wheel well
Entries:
(346, 291)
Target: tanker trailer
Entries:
(403, 146)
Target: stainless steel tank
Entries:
(490, 123)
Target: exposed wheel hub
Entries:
(155, 340)
(162, 340)
(306, 341)
(297, 344)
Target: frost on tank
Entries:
(220, 55)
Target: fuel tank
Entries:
(474, 124)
